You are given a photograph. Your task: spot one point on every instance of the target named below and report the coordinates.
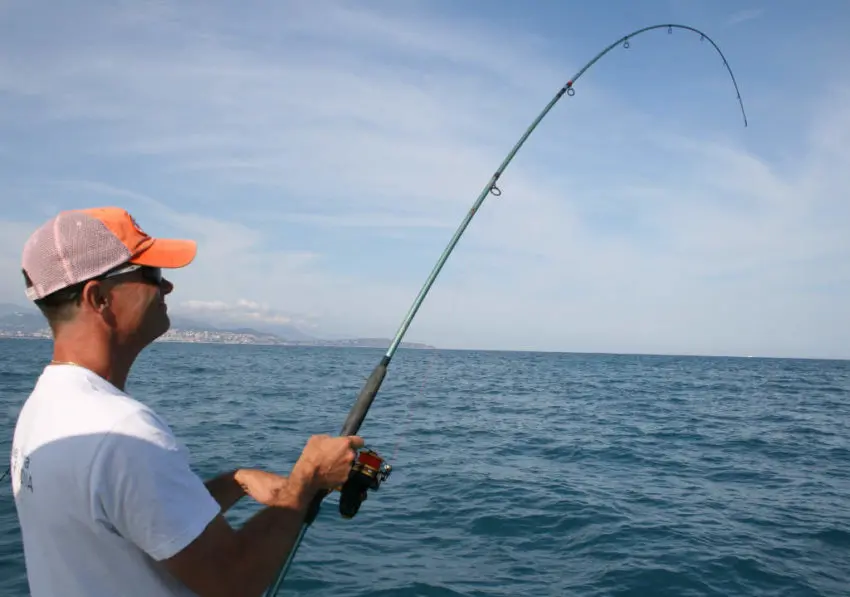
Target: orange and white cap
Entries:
(78, 245)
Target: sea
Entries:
(520, 473)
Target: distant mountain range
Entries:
(17, 321)
(14, 318)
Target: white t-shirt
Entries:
(103, 490)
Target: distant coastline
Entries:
(233, 337)
(26, 323)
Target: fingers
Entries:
(332, 457)
(354, 443)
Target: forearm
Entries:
(225, 490)
(266, 539)
(224, 562)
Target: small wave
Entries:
(518, 526)
(634, 581)
(834, 537)
(418, 589)
(737, 475)
(12, 376)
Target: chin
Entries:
(165, 325)
(157, 328)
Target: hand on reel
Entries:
(368, 472)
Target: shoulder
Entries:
(75, 406)
(141, 422)
(131, 437)
(70, 389)
(140, 441)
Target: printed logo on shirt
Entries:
(21, 470)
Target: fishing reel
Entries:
(368, 472)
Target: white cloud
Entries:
(241, 311)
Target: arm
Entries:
(223, 562)
(229, 488)
(143, 486)
(225, 489)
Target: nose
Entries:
(166, 286)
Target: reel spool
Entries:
(368, 472)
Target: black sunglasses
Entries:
(150, 274)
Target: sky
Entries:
(323, 153)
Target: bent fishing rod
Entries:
(370, 470)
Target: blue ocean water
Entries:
(522, 473)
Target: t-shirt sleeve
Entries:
(143, 487)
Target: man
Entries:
(106, 500)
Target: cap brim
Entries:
(167, 253)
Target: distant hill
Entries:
(23, 322)
(281, 332)
(8, 308)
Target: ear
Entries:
(95, 297)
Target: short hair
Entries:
(58, 307)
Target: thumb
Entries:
(355, 441)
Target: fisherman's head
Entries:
(96, 271)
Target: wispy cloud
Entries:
(745, 15)
(322, 154)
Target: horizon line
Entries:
(494, 350)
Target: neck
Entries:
(97, 352)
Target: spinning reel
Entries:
(368, 472)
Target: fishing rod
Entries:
(369, 469)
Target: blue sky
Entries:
(322, 153)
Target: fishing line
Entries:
(406, 425)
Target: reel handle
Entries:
(368, 471)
